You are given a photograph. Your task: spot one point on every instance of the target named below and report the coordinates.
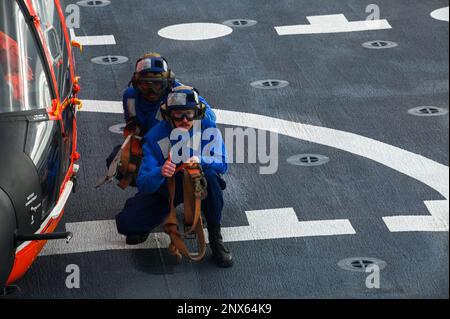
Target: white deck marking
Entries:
(441, 14)
(93, 40)
(416, 166)
(334, 23)
(263, 224)
(438, 221)
(102, 106)
(195, 31)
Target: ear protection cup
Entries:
(202, 111)
(164, 112)
(201, 107)
(135, 80)
(171, 78)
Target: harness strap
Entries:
(130, 160)
(192, 214)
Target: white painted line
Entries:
(102, 106)
(195, 31)
(93, 40)
(427, 171)
(416, 166)
(97, 236)
(263, 225)
(283, 223)
(437, 222)
(334, 23)
(441, 14)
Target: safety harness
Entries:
(126, 162)
(194, 191)
(130, 160)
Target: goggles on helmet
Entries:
(189, 115)
(183, 98)
(154, 85)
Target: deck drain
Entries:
(308, 160)
(109, 60)
(117, 129)
(269, 84)
(379, 44)
(240, 23)
(359, 264)
(93, 3)
(427, 111)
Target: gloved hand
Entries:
(200, 184)
(131, 128)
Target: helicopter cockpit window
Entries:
(23, 81)
(53, 43)
(54, 35)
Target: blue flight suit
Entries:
(150, 207)
(147, 113)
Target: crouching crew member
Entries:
(184, 115)
(149, 86)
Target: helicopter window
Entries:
(24, 85)
(53, 43)
(43, 147)
(54, 35)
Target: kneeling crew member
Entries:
(150, 207)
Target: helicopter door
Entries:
(24, 123)
(58, 48)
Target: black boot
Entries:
(136, 239)
(221, 255)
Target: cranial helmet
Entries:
(152, 69)
(183, 98)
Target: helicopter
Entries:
(38, 131)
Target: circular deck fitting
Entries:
(308, 160)
(269, 84)
(240, 23)
(93, 3)
(427, 111)
(359, 264)
(109, 60)
(117, 129)
(379, 44)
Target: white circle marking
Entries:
(440, 14)
(195, 31)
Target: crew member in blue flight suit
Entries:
(183, 112)
(149, 86)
